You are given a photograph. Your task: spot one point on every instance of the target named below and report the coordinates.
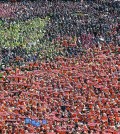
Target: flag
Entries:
(44, 122)
(27, 121)
(35, 124)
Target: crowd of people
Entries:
(73, 18)
(77, 92)
(88, 23)
(74, 95)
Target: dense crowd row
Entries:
(74, 95)
(77, 92)
(73, 18)
(90, 23)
